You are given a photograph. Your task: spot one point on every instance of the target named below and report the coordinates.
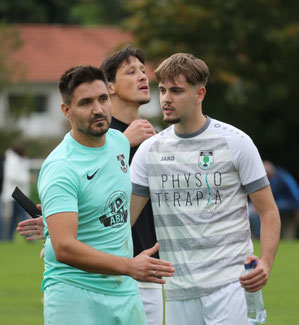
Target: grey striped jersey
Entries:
(198, 185)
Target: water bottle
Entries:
(255, 304)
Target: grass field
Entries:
(21, 273)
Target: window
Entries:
(27, 103)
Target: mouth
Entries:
(144, 88)
(99, 120)
(167, 110)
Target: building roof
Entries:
(48, 50)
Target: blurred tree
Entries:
(9, 41)
(251, 49)
(63, 12)
(99, 12)
(11, 71)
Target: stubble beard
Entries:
(171, 120)
(143, 101)
(95, 132)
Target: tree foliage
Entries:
(11, 71)
(84, 12)
(251, 49)
(9, 41)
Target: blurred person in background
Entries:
(1, 182)
(286, 195)
(16, 173)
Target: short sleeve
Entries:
(138, 168)
(248, 162)
(58, 187)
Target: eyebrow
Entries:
(84, 99)
(91, 98)
(172, 88)
(141, 65)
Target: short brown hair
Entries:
(75, 76)
(193, 69)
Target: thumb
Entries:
(151, 250)
(250, 258)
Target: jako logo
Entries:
(167, 158)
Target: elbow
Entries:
(62, 252)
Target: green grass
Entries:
(21, 274)
(20, 283)
(281, 292)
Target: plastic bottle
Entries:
(255, 304)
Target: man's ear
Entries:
(201, 92)
(111, 88)
(65, 110)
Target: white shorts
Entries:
(226, 306)
(153, 305)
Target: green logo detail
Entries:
(206, 159)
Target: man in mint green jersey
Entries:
(84, 187)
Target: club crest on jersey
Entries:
(116, 210)
(206, 159)
(122, 163)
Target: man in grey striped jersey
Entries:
(198, 174)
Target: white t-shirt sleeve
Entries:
(138, 168)
(248, 162)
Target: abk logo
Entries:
(206, 159)
(122, 163)
(115, 213)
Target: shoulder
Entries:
(236, 139)
(157, 138)
(228, 131)
(59, 162)
(116, 135)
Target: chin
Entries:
(99, 133)
(171, 120)
(100, 130)
(142, 101)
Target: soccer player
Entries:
(198, 173)
(84, 187)
(128, 88)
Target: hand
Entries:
(138, 131)
(33, 229)
(148, 269)
(257, 278)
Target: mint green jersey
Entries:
(94, 183)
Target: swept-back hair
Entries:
(75, 76)
(193, 69)
(112, 63)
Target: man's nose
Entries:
(166, 97)
(142, 75)
(98, 108)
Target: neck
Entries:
(88, 140)
(126, 112)
(191, 125)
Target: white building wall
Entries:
(49, 124)
(53, 123)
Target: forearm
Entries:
(63, 230)
(270, 235)
(84, 257)
(141, 268)
(137, 204)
